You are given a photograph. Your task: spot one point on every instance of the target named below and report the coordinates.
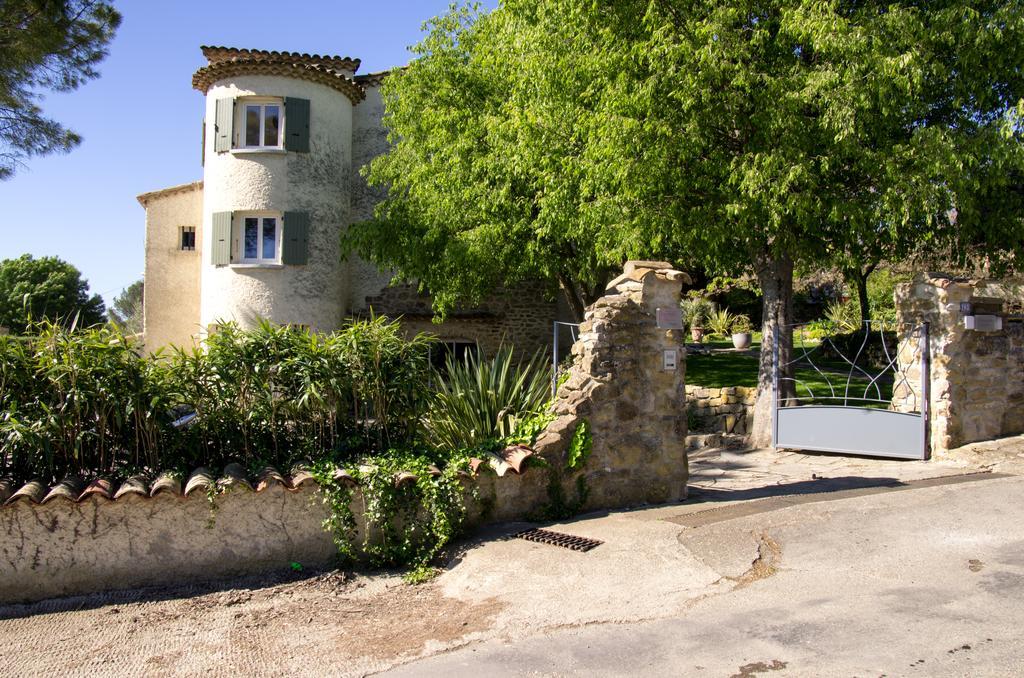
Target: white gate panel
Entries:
(852, 430)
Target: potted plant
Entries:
(696, 310)
(741, 332)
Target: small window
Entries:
(258, 238)
(188, 238)
(262, 124)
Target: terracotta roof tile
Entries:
(6, 489)
(344, 476)
(228, 62)
(69, 489)
(200, 480)
(216, 54)
(301, 477)
(75, 489)
(269, 476)
(234, 477)
(134, 485)
(32, 491)
(100, 487)
(166, 482)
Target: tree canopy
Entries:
(126, 311)
(45, 45)
(47, 287)
(556, 138)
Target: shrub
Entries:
(740, 324)
(480, 403)
(86, 403)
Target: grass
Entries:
(735, 369)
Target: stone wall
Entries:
(635, 407)
(521, 316)
(721, 410)
(977, 378)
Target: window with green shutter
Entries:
(295, 248)
(224, 119)
(296, 125)
(221, 233)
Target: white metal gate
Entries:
(835, 396)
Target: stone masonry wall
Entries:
(520, 316)
(618, 383)
(721, 410)
(977, 378)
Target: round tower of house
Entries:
(277, 160)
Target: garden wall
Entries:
(66, 540)
(977, 389)
(721, 410)
(73, 539)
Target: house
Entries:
(284, 136)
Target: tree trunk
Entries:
(858, 279)
(775, 275)
(572, 295)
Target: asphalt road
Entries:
(917, 582)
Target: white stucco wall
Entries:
(317, 182)
(369, 139)
(171, 303)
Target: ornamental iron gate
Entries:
(835, 394)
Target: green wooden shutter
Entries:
(221, 248)
(296, 125)
(224, 119)
(295, 248)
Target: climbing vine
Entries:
(411, 511)
(560, 506)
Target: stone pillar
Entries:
(623, 385)
(977, 378)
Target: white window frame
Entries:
(242, 122)
(238, 235)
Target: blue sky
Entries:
(141, 120)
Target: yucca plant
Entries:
(478, 402)
(720, 322)
(844, 316)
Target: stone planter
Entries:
(741, 340)
(697, 333)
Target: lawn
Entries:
(736, 369)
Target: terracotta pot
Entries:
(741, 340)
(697, 333)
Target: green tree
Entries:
(46, 287)
(45, 45)
(126, 311)
(558, 137)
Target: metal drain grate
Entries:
(567, 541)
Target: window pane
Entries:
(270, 238)
(252, 238)
(271, 123)
(252, 125)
